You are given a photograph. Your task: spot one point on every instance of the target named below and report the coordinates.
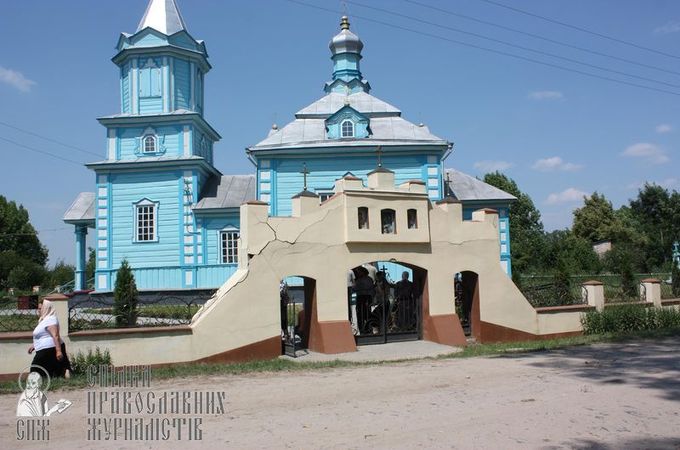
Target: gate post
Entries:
(594, 293)
(650, 291)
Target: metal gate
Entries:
(390, 315)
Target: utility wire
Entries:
(538, 36)
(34, 234)
(54, 141)
(521, 47)
(41, 151)
(498, 52)
(575, 27)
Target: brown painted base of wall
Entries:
(444, 329)
(262, 350)
(331, 337)
(267, 349)
(489, 332)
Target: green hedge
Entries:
(627, 318)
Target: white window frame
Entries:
(155, 143)
(324, 194)
(147, 205)
(228, 239)
(342, 129)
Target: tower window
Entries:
(149, 144)
(347, 128)
(229, 246)
(412, 219)
(145, 221)
(363, 218)
(389, 221)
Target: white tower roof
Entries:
(163, 16)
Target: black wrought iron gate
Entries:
(387, 316)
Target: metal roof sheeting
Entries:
(82, 208)
(163, 16)
(468, 188)
(361, 101)
(227, 191)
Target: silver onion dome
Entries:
(345, 41)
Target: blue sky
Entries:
(559, 134)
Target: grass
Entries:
(285, 365)
(183, 312)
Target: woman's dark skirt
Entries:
(47, 359)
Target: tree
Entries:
(61, 274)
(563, 247)
(18, 235)
(675, 279)
(91, 264)
(595, 220)
(656, 213)
(526, 229)
(125, 297)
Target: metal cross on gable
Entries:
(379, 152)
(304, 173)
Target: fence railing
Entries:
(90, 313)
(18, 313)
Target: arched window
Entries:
(363, 218)
(388, 220)
(412, 219)
(347, 128)
(149, 144)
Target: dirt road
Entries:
(607, 396)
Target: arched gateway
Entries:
(321, 242)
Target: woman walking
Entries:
(50, 351)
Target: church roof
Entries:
(384, 131)
(361, 101)
(82, 208)
(468, 188)
(163, 16)
(227, 191)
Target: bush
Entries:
(82, 361)
(675, 276)
(629, 318)
(125, 297)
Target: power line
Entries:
(521, 47)
(584, 30)
(498, 52)
(36, 232)
(80, 164)
(538, 36)
(54, 141)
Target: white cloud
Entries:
(663, 128)
(492, 166)
(546, 95)
(555, 163)
(15, 79)
(569, 195)
(650, 152)
(670, 27)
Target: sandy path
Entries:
(602, 396)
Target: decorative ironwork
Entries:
(18, 314)
(95, 312)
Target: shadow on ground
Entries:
(632, 444)
(646, 364)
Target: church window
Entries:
(229, 246)
(149, 80)
(389, 221)
(363, 218)
(149, 144)
(412, 219)
(145, 221)
(347, 128)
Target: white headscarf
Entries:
(47, 310)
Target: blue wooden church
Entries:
(160, 202)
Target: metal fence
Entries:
(18, 313)
(91, 312)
